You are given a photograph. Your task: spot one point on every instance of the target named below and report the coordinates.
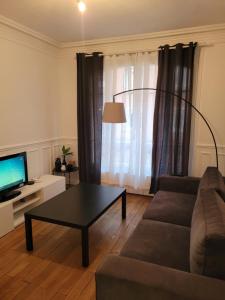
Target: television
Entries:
(13, 174)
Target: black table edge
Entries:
(64, 223)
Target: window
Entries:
(127, 148)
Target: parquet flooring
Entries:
(53, 270)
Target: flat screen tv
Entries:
(13, 174)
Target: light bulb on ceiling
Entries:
(81, 6)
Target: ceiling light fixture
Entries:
(81, 6)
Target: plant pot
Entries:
(64, 160)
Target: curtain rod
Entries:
(145, 51)
(123, 53)
(174, 46)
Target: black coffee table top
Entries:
(78, 207)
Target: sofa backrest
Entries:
(207, 245)
(212, 178)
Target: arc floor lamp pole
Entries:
(114, 112)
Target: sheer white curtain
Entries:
(127, 148)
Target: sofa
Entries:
(177, 251)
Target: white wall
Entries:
(38, 92)
(210, 99)
(29, 98)
(29, 91)
(209, 90)
(32, 117)
(68, 104)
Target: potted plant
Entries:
(65, 152)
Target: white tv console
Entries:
(12, 211)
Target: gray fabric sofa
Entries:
(177, 251)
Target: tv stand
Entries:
(12, 211)
(9, 195)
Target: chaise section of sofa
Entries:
(178, 250)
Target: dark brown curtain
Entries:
(172, 117)
(89, 115)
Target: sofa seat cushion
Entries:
(175, 208)
(160, 243)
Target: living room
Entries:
(61, 63)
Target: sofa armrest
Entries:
(187, 185)
(126, 278)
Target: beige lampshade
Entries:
(114, 112)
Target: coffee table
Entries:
(79, 207)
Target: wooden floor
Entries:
(53, 270)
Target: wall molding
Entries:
(146, 36)
(41, 141)
(125, 38)
(48, 52)
(211, 146)
(73, 138)
(28, 31)
(27, 144)
(205, 156)
(41, 154)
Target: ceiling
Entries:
(60, 19)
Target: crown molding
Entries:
(126, 38)
(145, 36)
(12, 24)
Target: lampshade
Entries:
(114, 112)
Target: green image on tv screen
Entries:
(12, 172)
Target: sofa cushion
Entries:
(212, 179)
(207, 249)
(175, 208)
(160, 243)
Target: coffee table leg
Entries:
(124, 205)
(85, 247)
(28, 229)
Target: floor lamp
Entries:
(114, 112)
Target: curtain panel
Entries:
(127, 147)
(172, 117)
(89, 115)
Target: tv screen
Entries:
(13, 171)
